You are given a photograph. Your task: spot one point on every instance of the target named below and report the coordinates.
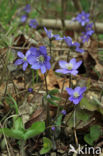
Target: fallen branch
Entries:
(70, 25)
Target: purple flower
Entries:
(27, 8)
(63, 112)
(69, 68)
(48, 33)
(30, 90)
(48, 96)
(33, 23)
(23, 18)
(78, 49)
(68, 41)
(23, 59)
(39, 59)
(51, 36)
(85, 37)
(76, 94)
(53, 128)
(83, 18)
(57, 37)
(89, 30)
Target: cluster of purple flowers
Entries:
(67, 39)
(32, 23)
(37, 58)
(71, 68)
(83, 19)
(74, 45)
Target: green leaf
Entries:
(55, 98)
(52, 102)
(47, 145)
(95, 132)
(82, 117)
(89, 105)
(18, 124)
(54, 91)
(58, 125)
(17, 134)
(88, 139)
(36, 128)
(15, 104)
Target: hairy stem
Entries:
(75, 134)
(22, 151)
(47, 106)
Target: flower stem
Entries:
(75, 134)
(50, 45)
(22, 151)
(47, 106)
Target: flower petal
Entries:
(43, 69)
(36, 66)
(76, 101)
(20, 54)
(82, 90)
(70, 91)
(43, 50)
(71, 98)
(73, 62)
(28, 53)
(63, 71)
(18, 62)
(77, 89)
(25, 65)
(74, 72)
(31, 59)
(77, 65)
(48, 58)
(62, 64)
(48, 65)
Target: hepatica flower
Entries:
(33, 23)
(69, 68)
(30, 90)
(27, 8)
(76, 95)
(48, 33)
(83, 18)
(23, 59)
(57, 37)
(85, 37)
(51, 35)
(39, 59)
(63, 112)
(53, 128)
(77, 47)
(23, 18)
(89, 29)
(68, 41)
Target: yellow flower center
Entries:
(25, 58)
(41, 58)
(76, 94)
(69, 66)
